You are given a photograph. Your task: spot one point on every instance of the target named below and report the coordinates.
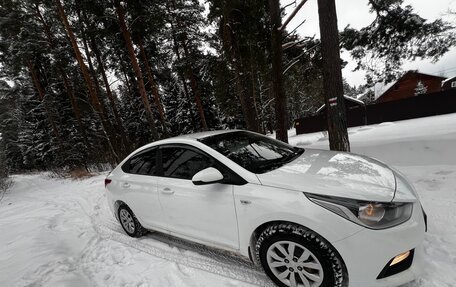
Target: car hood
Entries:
(335, 173)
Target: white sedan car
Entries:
(308, 217)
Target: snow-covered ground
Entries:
(56, 232)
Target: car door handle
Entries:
(167, 190)
(125, 185)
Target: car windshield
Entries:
(256, 153)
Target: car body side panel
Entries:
(204, 212)
(141, 196)
(256, 204)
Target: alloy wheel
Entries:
(294, 265)
(127, 221)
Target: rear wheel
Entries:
(293, 256)
(129, 222)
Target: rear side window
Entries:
(144, 163)
(183, 163)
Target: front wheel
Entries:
(293, 256)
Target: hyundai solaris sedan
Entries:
(308, 217)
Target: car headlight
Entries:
(374, 215)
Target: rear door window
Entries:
(144, 164)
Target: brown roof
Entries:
(408, 73)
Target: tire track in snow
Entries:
(182, 252)
(159, 245)
(222, 265)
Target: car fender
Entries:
(258, 206)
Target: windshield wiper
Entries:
(273, 164)
(293, 156)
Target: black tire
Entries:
(334, 271)
(137, 230)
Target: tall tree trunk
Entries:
(120, 127)
(63, 74)
(85, 73)
(124, 72)
(197, 93)
(332, 76)
(112, 133)
(134, 62)
(196, 89)
(152, 84)
(180, 75)
(243, 84)
(252, 78)
(41, 95)
(189, 69)
(277, 71)
(74, 105)
(92, 70)
(112, 101)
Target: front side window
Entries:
(256, 153)
(183, 163)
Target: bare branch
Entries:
(290, 66)
(297, 58)
(292, 44)
(294, 30)
(292, 15)
(291, 3)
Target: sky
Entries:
(356, 14)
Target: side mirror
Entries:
(207, 176)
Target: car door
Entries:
(203, 212)
(139, 185)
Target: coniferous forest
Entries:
(84, 82)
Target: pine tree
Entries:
(86, 83)
(396, 35)
(9, 128)
(277, 71)
(243, 43)
(94, 97)
(185, 19)
(134, 63)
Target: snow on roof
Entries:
(447, 80)
(347, 98)
(359, 102)
(360, 96)
(381, 88)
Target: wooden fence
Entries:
(427, 105)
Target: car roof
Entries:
(200, 135)
(187, 137)
(192, 139)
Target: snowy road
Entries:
(61, 233)
(56, 232)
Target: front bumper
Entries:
(367, 252)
